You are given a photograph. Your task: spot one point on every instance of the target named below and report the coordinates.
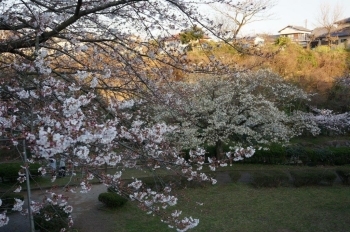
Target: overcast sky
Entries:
(294, 12)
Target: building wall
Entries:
(289, 30)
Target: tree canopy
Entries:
(243, 109)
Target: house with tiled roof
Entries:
(344, 22)
(297, 34)
(340, 34)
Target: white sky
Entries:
(294, 12)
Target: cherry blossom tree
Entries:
(330, 121)
(244, 108)
(68, 72)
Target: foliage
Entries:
(324, 156)
(194, 33)
(313, 177)
(8, 200)
(112, 200)
(341, 155)
(51, 218)
(339, 95)
(312, 156)
(273, 154)
(10, 171)
(269, 179)
(300, 154)
(313, 70)
(344, 174)
(296, 153)
(307, 57)
(322, 49)
(282, 41)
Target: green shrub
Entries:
(296, 153)
(269, 179)
(8, 200)
(311, 156)
(158, 182)
(315, 156)
(282, 41)
(323, 49)
(9, 171)
(341, 155)
(339, 96)
(324, 156)
(112, 200)
(51, 218)
(313, 177)
(33, 169)
(344, 175)
(276, 154)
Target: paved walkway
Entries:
(86, 214)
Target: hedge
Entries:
(9, 171)
(270, 179)
(313, 177)
(112, 199)
(292, 154)
(341, 155)
(276, 154)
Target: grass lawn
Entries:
(240, 207)
(237, 206)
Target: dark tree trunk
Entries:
(219, 149)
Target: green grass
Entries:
(239, 207)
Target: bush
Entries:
(58, 219)
(315, 156)
(344, 175)
(276, 154)
(33, 169)
(282, 41)
(112, 200)
(9, 171)
(313, 177)
(339, 95)
(269, 179)
(324, 156)
(8, 200)
(341, 155)
(296, 153)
